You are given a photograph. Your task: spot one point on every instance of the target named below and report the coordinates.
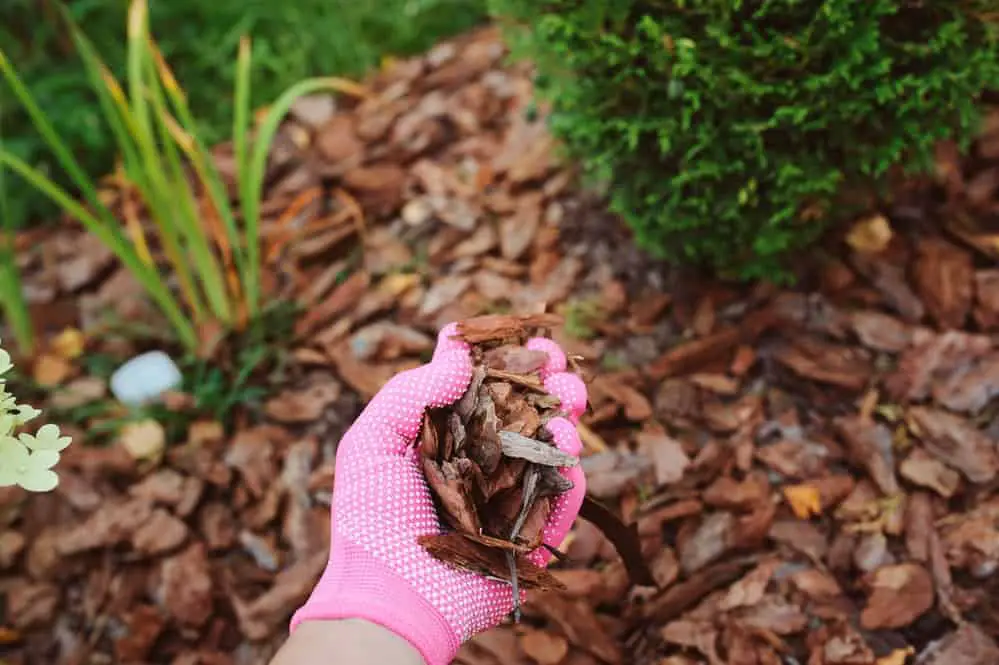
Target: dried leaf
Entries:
(750, 589)
(870, 445)
(944, 278)
(610, 473)
(987, 298)
(899, 595)
(896, 657)
(804, 500)
(578, 622)
(144, 439)
(143, 625)
(710, 540)
(881, 331)
(692, 355)
(890, 279)
(969, 387)
(774, 614)
(443, 293)
(11, 544)
(160, 533)
(870, 235)
(186, 586)
(69, 343)
(731, 494)
(261, 549)
(303, 406)
(684, 595)
(665, 568)
(699, 635)
(817, 584)
(846, 648)
(518, 230)
(667, 455)
(262, 616)
(544, 647)
(931, 360)
(218, 526)
(76, 393)
(814, 359)
(921, 469)
(871, 552)
(30, 605)
(955, 442)
(113, 524)
(252, 454)
(801, 536)
(968, 645)
(50, 370)
(919, 526)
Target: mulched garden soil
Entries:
(813, 470)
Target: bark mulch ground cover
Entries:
(812, 470)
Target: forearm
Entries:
(345, 642)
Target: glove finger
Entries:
(565, 507)
(565, 510)
(446, 342)
(570, 391)
(396, 412)
(569, 388)
(556, 357)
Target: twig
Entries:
(624, 537)
(531, 477)
(530, 493)
(511, 560)
(555, 552)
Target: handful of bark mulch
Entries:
(489, 460)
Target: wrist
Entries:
(356, 585)
(354, 641)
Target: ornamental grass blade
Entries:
(208, 269)
(256, 162)
(100, 222)
(15, 308)
(228, 238)
(157, 194)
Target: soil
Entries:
(812, 470)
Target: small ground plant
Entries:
(210, 247)
(729, 130)
(296, 39)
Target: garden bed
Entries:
(812, 469)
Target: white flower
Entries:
(20, 413)
(7, 401)
(32, 471)
(26, 461)
(48, 437)
(7, 423)
(24, 413)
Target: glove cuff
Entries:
(356, 585)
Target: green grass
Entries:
(293, 39)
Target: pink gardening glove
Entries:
(381, 505)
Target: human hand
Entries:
(381, 505)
